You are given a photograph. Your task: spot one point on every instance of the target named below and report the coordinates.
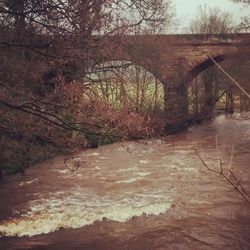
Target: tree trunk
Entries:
(17, 7)
(229, 100)
(208, 98)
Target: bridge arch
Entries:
(204, 65)
(123, 62)
(204, 88)
(129, 84)
(175, 60)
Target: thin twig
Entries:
(231, 161)
(205, 164)
(217, 150)
(235, 183)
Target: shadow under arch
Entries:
(217, 90)
(205, 65)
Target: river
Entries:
(149, 194)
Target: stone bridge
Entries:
(175, 60)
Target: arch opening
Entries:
(122, 83)
(211, 91)
(128, 96)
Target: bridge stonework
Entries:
(175, 60)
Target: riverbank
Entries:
(37, 140)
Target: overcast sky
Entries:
(187, 9)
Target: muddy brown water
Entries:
(151, 194)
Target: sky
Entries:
(186, 10)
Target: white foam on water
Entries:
(80, 209)
(104, 158)
(90, 154)
(144, 174)
(129, 169)
(143, 161)
(62, 171)
(76, 159)
(130, 180)
(189, 169)
(24, 183)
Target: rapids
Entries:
(160, 186)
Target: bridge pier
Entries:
(175, 107)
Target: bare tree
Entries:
(46, 49)
(242, 1)
(244, 26)
(211, 21)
